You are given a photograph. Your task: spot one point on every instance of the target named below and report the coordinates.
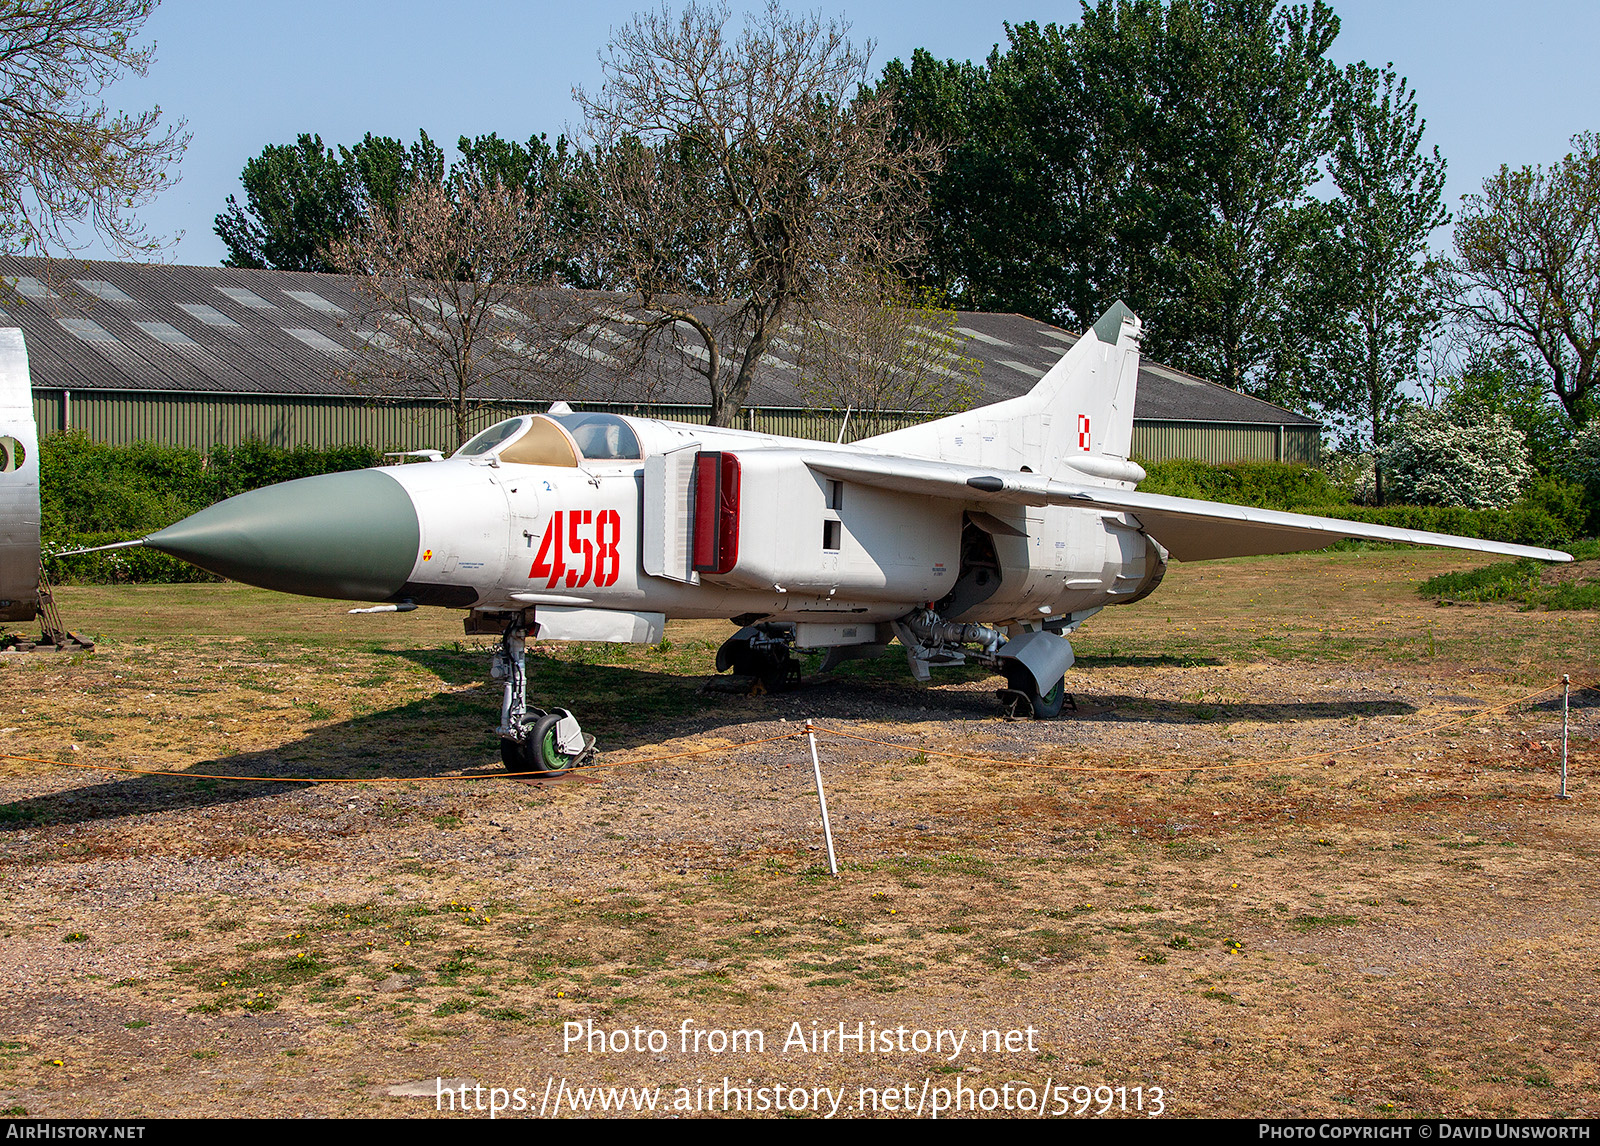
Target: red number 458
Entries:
(567, 553)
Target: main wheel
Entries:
(1049, 705)
(1045, 705)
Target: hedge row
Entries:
(92, 493)
(1267, 485)
(1551, 512)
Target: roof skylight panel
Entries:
(104, 290)
(316, 340)
(166, 332)
(584, 350)
(247, 298)
(86, 329)
(981, 337)
(29, 287)
(209, 315)
(315, 301)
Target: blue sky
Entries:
(1497, 83)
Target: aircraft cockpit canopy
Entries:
(556, 440)
(601, 437)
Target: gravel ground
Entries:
(1249, 938)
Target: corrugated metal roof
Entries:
(230, 336)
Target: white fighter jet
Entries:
(985, 537)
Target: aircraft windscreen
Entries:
(601, 437)
(490, 438)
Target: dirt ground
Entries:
(1299, 851)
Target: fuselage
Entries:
(574, 513)
(498, 533)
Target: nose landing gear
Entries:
(532, 740)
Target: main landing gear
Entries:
(1034, 661)
(1021, 696)
(762, 653)
(531, 739)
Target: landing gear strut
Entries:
(1029, 659)
(531, 739)
(762, 651)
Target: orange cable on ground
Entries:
(393, 779)
(786, 736)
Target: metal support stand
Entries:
(54, 634)
(1566, 695)
(822, 800)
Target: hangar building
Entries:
(201, 356)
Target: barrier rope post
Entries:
(1566, 694)
(822, 800)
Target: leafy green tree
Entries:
(1527, 269)
(300, 199)
(1390, 201)
(1159, 153)
(1242, 91)
(549, 174)
(1041, 174)
(381, 169)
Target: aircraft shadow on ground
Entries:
(439, 735)
(626, 706)
(1152, 710)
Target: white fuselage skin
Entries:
(490, 526)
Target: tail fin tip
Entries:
(1109, 325)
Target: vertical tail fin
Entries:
(1088, 396)
(1078, 417)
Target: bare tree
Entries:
(739, 179)
(875, 348)
(1527, 268)
(65, 158)
(460, 302)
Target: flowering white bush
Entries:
(1479, 461)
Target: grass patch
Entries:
(1318, 922)
(1521, 582)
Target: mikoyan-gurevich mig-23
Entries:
(985, 537)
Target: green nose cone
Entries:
(351, 536)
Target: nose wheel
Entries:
(548, 749)
(533, 741)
